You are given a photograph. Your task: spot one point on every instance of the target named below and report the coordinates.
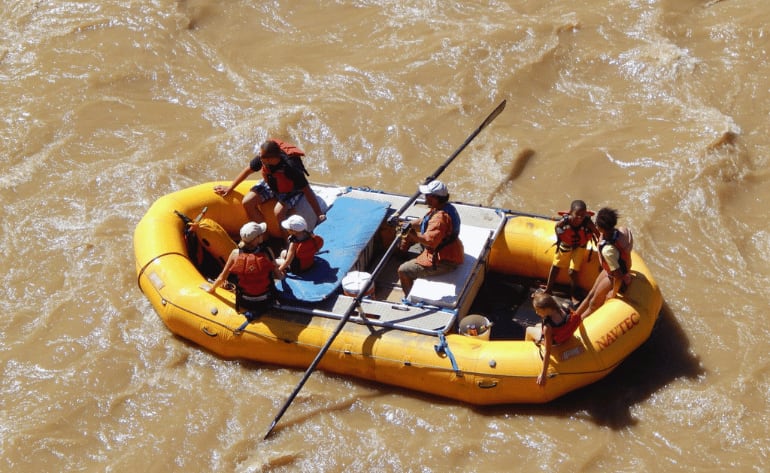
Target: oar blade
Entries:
(270, 430)
(493, 115)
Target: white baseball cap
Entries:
(295, 222)
(252, 230)
(435, 188)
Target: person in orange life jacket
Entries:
(255, 269)
(303, 246)
(557, 327)
(573, 233)
(281, 179)
(615, 257)
(438, 233)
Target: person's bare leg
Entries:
(406, 283)
(596, 297)
(551, 279)
(280, 215)
(573, 275)
(250, 203)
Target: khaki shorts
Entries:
(572, 259)
(413, 271)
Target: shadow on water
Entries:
(662, 359)
(341, 405)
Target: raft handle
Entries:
(487, 383)
(209, 332)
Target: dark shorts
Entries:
(256, 305)
(265, 193)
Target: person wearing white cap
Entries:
(303, 246)
(254, 268)
(438, 233)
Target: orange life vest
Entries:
(288, 175)
(450, 248)
(563, 332)
(570, 237)
(306, 250)
(254, 271)
(292, 154)
(288, 148)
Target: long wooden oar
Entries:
(383, 261)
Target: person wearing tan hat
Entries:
(254, 268)
(438, 233)
(303, 246)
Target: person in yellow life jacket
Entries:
(255, 268)
(615, 257)
(283, 178)
(573, 232)
(303, 246)
(438, 233)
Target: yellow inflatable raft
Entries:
(406, 340)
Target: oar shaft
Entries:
(327, 345)
(497, 111)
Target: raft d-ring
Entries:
(487, 383)
(209, 332)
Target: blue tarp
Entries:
(350, 224)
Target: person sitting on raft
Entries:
(557, 327)
(303, 246)
(615, 258)
(438, 233)
(255, 268)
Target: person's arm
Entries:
(548, 340)
(438, 227)
(596, 296)
(414, 228)
(277, 273)
(225, 272)
(412, 236)
(612, 256)
(290, 253)
(595, 235)
(223, 191)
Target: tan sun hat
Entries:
(251, 231)
(295, 222)
(435, 188)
